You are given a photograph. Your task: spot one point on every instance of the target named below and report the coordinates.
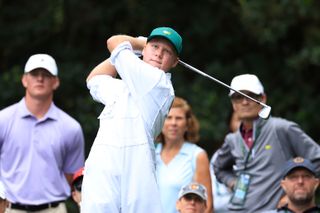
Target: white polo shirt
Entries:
(141, 99)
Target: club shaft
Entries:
(220, 82)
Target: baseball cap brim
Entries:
(193, 192)
(289, 170)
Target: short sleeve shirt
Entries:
(36, 153)
(140, 99)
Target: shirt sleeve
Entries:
(75, 150)
(139, 76)
(301, 143)
(223, 164)
(103, 88)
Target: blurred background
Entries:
(279, 41)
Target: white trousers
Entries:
(120, 179)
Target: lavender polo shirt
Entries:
(35, 154)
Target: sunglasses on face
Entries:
(237, 98)
(190, 197)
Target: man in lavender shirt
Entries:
(40, 145)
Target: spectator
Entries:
(77, 185)
(179, 159)
(300, 184)
(250, 160)
(120, 170)
(40, 145)
(221, 193)
(3, 200)
(192, 198)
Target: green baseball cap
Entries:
(170, 34)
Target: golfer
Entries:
(120, 170)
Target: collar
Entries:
(245, 131)
(168, 75)
(183, 150)
(23, 111)
(257, 123)
(314, 209)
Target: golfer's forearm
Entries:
(136, 43)
(104, 68)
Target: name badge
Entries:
(241, 189)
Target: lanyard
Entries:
(256, 135)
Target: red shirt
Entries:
(247, 136)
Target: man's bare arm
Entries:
(136, 43)
(104, 68)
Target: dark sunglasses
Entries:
(194, 197)
(239, 98)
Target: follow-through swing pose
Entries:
(120, 170)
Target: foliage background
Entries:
(277, 40)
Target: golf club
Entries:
(264, 112)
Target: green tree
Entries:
(276, 40)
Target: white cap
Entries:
(2, 191)
(41, 61)
(246, 82)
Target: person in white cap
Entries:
(120, 170)
(192, 198)
(250, 159)
(41, 146)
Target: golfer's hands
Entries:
(143, 38)
(139, 51)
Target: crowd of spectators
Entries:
(145, 157)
